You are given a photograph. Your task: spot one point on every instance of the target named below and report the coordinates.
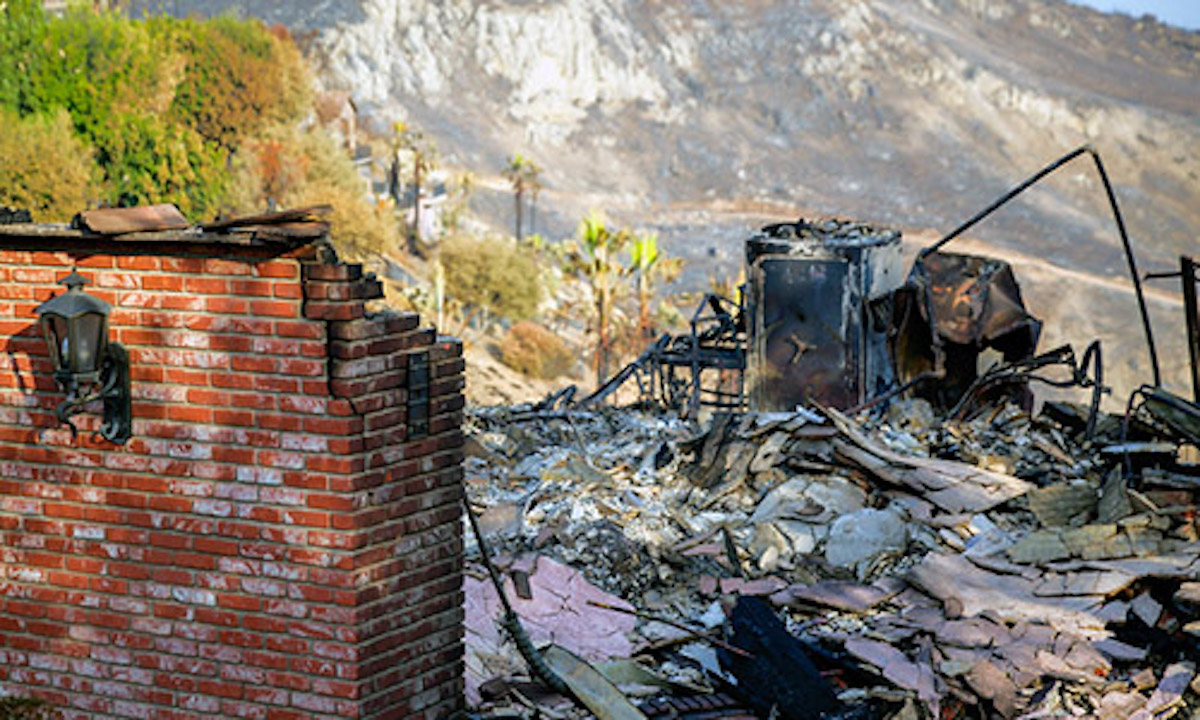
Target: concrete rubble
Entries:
(1000, 566)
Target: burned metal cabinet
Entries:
(811, 333)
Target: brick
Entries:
(126, 281)
(382, 324)
(260, 288)
(335, 310)
(342, 272)
(278, 269)
(364, 289)
(231, 343)
(230, 305)
(300, 329)
(274, 308)
(215, 266)
(169, 283)
(288, 290)
(100, 261)
(185, 265)
(189, 303)
(302, 366)
(242, 418)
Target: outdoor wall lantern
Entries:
(86, 365)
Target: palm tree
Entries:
(596, 257)
(524, 175)
(533, 183)
(650, 267)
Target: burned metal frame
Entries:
(1024, 368)
(1025, 371)
(1160, 408)
(1189, 278)
(1164, 412)
(672, 370)
(1191, 311)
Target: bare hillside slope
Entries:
(704, 119)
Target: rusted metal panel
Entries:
(975, 300)
(119, 221)
(811, 334)
(953, 308)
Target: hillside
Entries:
(706, 119)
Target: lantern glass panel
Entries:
(55, 329)
(89, 341)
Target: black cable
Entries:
(1093, 354)
(1117, 218)
(1005, 198)
(1137, 281)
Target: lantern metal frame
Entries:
(87, 367)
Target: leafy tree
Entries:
(100, 67)
(163, 102)
(649, 267)
(46, 169)
(147, 159)
(524, 175)
(596, 257)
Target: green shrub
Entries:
(98, 66)
(45, 168)
(149, 160)
(22, 27)
(492, 274)
(535, 351)
(163, 102)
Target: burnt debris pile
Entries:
(837, 497)
(1000, 565)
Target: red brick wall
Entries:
(270, 543)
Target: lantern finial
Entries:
(74, 280)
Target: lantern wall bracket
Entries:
(113, 389)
